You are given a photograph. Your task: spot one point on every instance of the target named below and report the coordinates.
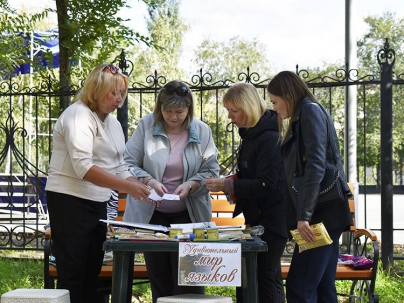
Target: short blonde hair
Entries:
(99, 82)
(246, 97)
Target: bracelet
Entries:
(190, 186)
(148, 180)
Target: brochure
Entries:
(154, 196)
(321, 238)
(154, 227)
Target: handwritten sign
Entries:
(209, 264)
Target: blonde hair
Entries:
(292, 89)
(246, 97)
(98, 83)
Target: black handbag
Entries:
(331, 190)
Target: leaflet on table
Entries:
(137, 225)
(154, 196)
(145, 237)
(188, 227)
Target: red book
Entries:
(231, 197)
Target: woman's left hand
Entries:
(305, 231)
(182, 190)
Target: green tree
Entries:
(166, 28)
(11, 46)
(87, 28)
(225, 60)
(90, 32)
(221, 64)
(374, 40)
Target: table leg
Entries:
(250, 283)
(122, 267)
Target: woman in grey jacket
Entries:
(172, 152)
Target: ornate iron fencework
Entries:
(29, 113)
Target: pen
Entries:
(185, 237)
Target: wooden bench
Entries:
(362, 242)
(219, 207)
(222, 211)
(51, 275)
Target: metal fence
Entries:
(28, 113)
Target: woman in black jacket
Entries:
(311, 276)
(259, 188)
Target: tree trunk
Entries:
(64, 53)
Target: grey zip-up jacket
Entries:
(147, 153)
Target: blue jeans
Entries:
(311, 277)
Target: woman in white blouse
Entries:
(86, 163)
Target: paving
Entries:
(371, 206)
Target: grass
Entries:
(20, 272)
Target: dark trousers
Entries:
(77, 244)
(162, 267)
(311, 277)
(270, 285)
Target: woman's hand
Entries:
(215, 184)
(138, 191)
(158, 187)
(183, 190)
(305, 231)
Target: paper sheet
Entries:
(154, 196)
(138, 225)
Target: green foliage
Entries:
(389, 286)
(28, 273)
(223, 60)
(142, 293)
(226, 291)
(167, 29)
(93, 32)
(23, 273)
(223, 63)
(12, 23)
(369, 50)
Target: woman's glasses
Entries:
(181, 90)
(112, 69)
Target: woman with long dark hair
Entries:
(307, 137)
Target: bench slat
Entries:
(139, 271)
(223, 221)
(343, 273)
(222, 206)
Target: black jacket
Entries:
(260, 186)
(316, 151)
